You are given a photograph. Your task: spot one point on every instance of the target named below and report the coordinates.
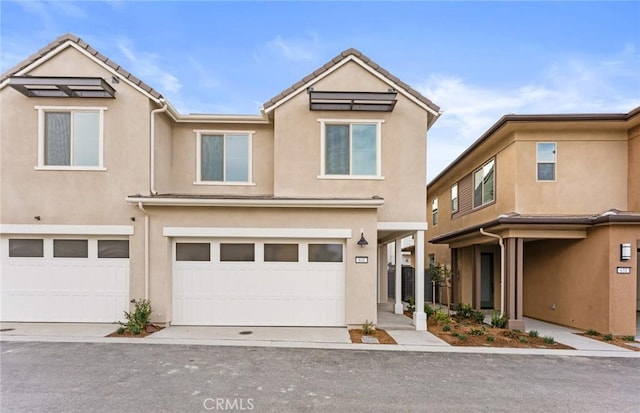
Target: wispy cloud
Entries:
(306, 48)
(148, 66)
(575, 84)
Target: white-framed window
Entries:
(70, 137)
(434, 211)
(454, 198)
(484, 184)
(350, 149)
(546, 161)
(224, 157)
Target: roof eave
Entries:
(264, 203)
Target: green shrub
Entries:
(440, 317)
(477, 331)
(463, 310)
(499, 321)
(548, 340)
(367, 328)
(533, 333)
(592, 332)
(139, 318)
(477, 316)
(120, 330)
(411, 304)
(446, 327)
(462, 337)
(491, 339)
(608, 337)
(629, 338)
(523, 339)
(428, 310)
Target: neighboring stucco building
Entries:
(109, 194)
(562, 195)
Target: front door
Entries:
(486, 280)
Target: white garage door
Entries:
(261, 282)
(63, 279)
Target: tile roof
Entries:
(78, 41)
(340, 57)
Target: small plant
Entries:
(428, 310)
(120, 330)
(491, 339)
(629, 338)
(548, 340)
(139, 318)
(515, 330)
(440, 317)
(477, 331)
(446, 327)
(462, 337)
(477, 316)
(368, 328)
(499, 321)
(523, 339)
(463, 310)
(533, 333)
(411, 304)
(608, 337)
(510, 334)
(592, 332)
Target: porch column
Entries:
(382, 274)
(513, 279)
(477, 276)
(419, 317)
(398, 309)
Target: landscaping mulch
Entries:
(149, 329)
(476, 334)
(382, 336)
(616, 341)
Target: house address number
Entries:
(623, 270)
(362, 260)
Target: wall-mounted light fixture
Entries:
(625, 252)
(362, 242)
(37, 217)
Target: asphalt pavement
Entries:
(122, 377)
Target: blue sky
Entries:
(476, 60)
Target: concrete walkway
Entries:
(398, 326)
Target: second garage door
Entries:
(258, 282)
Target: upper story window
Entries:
(454, 198)
(484, 184)
(70, 137)
(434, 211)
(351, 149)
(546, 161)
(224, 157)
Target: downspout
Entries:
(146, 251)
(502, 265)
(152, 147)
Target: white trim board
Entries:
(67, 229)
(402, 226)
(217, 232)
(282, 203)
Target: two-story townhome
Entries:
(540, 217)
(109, 194)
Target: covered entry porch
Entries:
(392, 233)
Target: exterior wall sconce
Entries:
(363, 242)
(625, 252)
(37, 217)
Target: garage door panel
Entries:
(259, 293)
(51, 289)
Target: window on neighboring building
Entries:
(351, 148)
(70, 137)
(454, 198)
(484, 184)
(546, 161)
(224, 157)
(434, 211)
